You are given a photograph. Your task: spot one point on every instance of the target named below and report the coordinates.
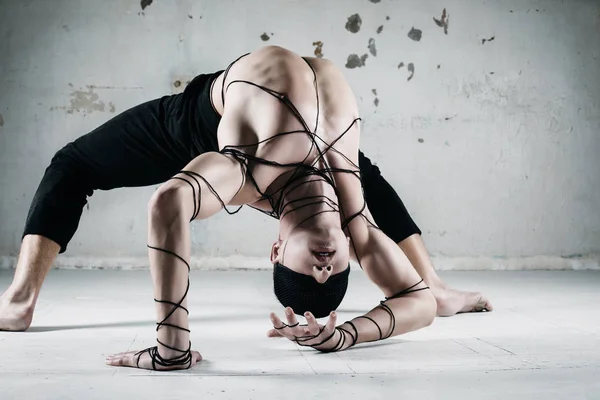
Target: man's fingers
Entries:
(277, 324)
(330, 326)
(313, 327)
(196, 357)
(120, 360)
(291, 317)
(274, 333)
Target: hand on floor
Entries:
(143, 360)
(320, 337)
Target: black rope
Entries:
(300, 170)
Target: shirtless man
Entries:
(243, 162)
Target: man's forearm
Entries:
(391, 318)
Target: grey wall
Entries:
(494, 146)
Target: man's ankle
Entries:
(24, 295)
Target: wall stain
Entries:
(449, 118)
(85, 102)
(379, 29)
(190, 16)
(376, 100)
(318, 49)
(487, 40)
(354, 23)
(180, 83)
(372, 47)
(415, 34)
(354, 61)
(439, 65)
(145, 3)
(1, 121)
(387, 17)
(411, 69)
(401, 64)
(444, 21)
(421, 140)
(374, 91)
(375, 1)
(66, 28)
(265, 37)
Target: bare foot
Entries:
(15, 314)
(451, 302)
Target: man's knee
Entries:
(167, 204)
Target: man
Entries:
(265, 154)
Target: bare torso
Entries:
(325, 105)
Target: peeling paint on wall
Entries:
(354, 23)
(415, 34)
(379, 29)
(443, 21)
(372, 47)
(411, 69)
(265, 37)
(354, 61)
(318, 49)
(487, 40)
(401, 64)
(1, 121)
(145, 3)
(86, 102)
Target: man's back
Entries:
(284, 109)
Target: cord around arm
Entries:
(376, 318)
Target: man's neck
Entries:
(309, 203)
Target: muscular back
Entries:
(316, 104)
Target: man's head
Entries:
(311, 269)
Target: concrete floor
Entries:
(542, 342)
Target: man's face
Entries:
(316, 252)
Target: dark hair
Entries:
(303, 293)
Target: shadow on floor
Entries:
(212, 318)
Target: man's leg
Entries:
(132, 149)
(17, 303)
(449, 301)
(391, 216)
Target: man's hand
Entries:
(324, 338)
(143, 360)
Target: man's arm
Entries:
(200, 190)
(410, 306)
